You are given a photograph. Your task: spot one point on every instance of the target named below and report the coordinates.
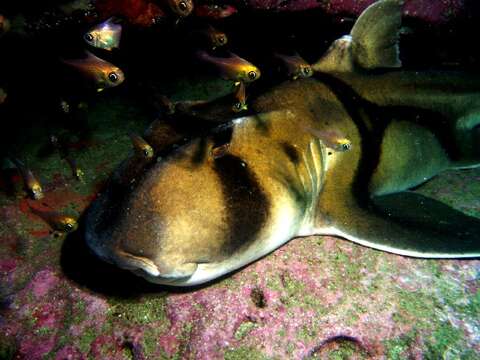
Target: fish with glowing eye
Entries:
(181, 8)
(32, 185)
(331, 138)
(141, 147)
(241, 98)
(212, 37)
(232, 67)
(295, 66)
(57, 221)
(105, 35)
(102, 73)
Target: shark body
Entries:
(193, 217)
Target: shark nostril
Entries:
(147, 268)
(133, 262)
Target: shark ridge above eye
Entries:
(326, 154)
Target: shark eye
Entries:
(113, 77)
(89, 37)
(252, 75)
(346, 146)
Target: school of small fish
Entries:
(99, 74)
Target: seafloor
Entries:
(316, 297)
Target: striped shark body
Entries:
(226, 199)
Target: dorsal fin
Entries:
(375, 35)
(372, 43)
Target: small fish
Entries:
(295, 66)
(62, 148)
(32, 185)
(57, 221)
(214, 11)
(332, 139)
(163, 104)
(77, 173)
(240, 97)
(189, 107)
(3, 96)
(181, 8)
(4, 25)
(141, 147)
(213, 37)
(232, 67)
(64, 106)
(102, 73)
(105, 35)
(54, 141)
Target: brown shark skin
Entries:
(178, 224)
(185, 221)
(194, 216)
(453, 95)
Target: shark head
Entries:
(174, 221)
(202, 212)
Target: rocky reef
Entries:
(316, 297)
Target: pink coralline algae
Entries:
(43, 282)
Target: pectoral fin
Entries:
(375, 35)
(409, 224)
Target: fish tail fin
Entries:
(202, 55)
(114, 20)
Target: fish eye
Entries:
(221, 39)
(346, 146)
(237, 106)
(88, 37)
(113, 77)
(182, 5)
(306, 71)
(146, 152)
(69, 226)
(252, 75)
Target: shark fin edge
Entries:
(371, 44)
(409, 224)
(375, 36)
